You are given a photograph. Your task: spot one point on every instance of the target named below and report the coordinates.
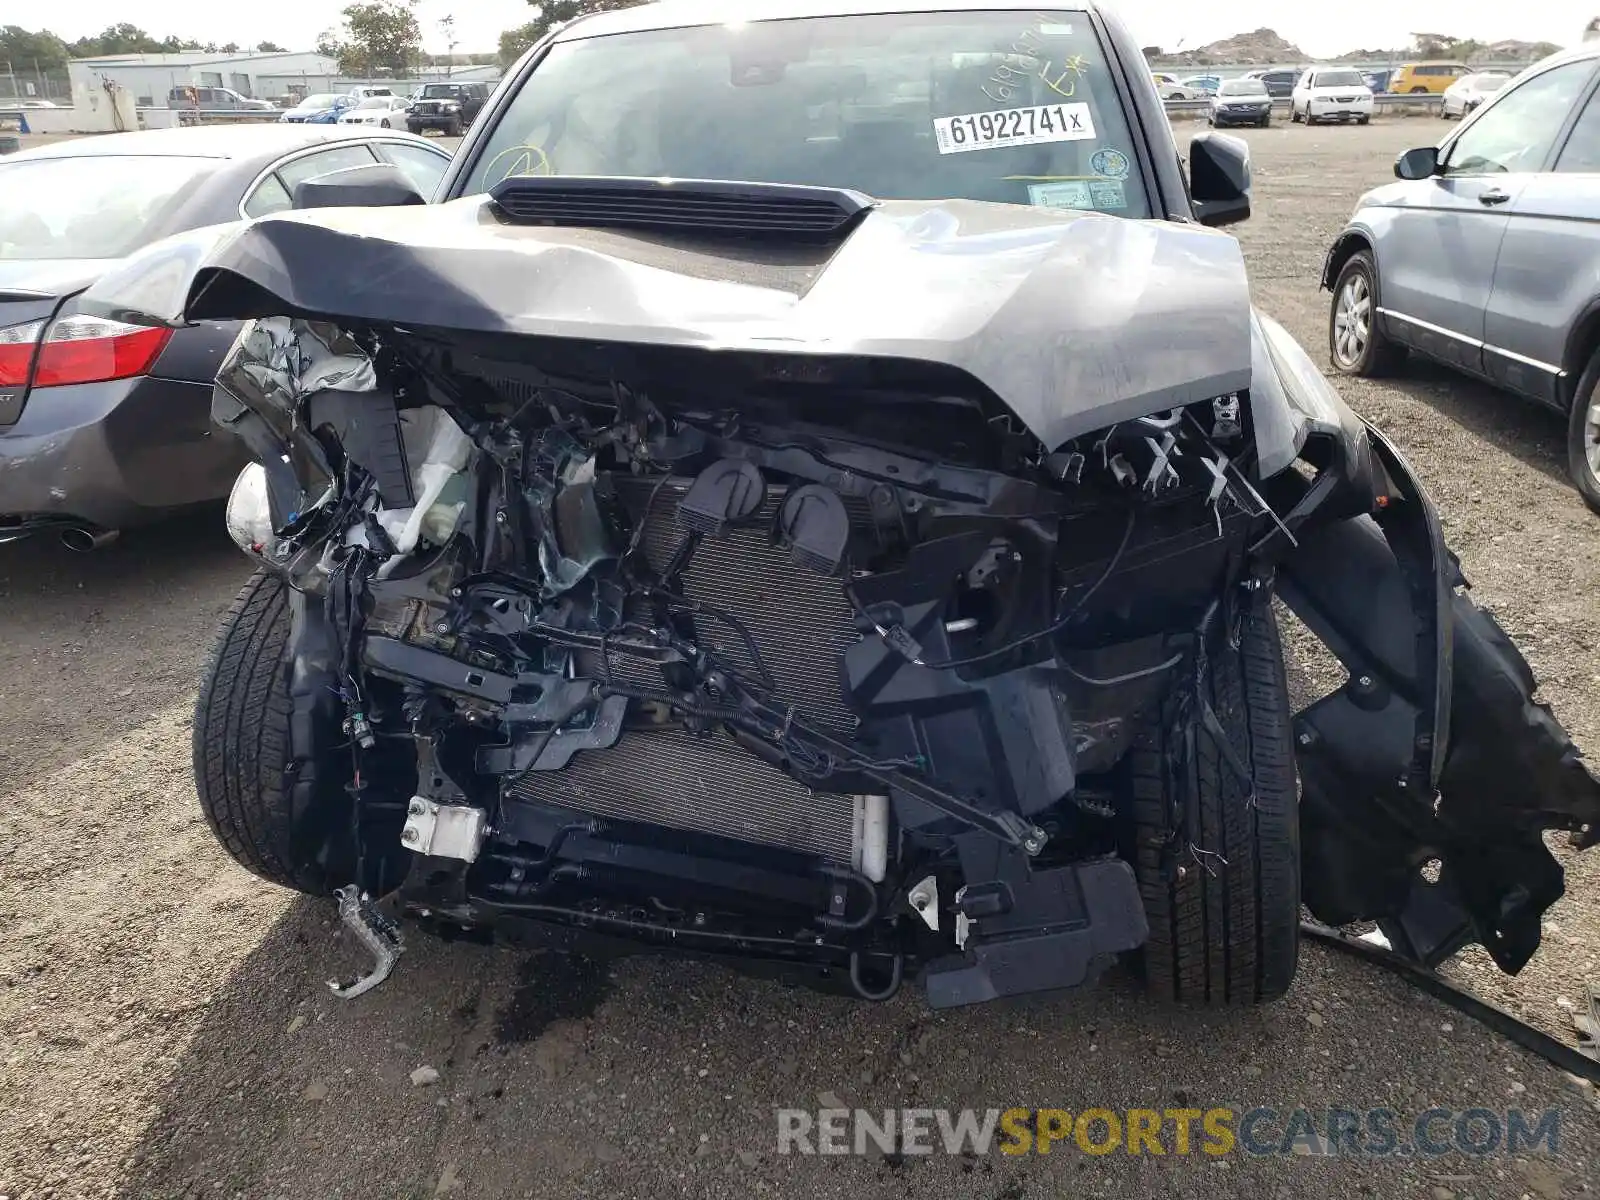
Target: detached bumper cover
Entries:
(1435, 751)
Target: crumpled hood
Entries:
(1074, 320)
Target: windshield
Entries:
(436, 91)
(1243, 87)
(324, 101)
(1017, 107)
(100, 206)
(1340, 79)
(1490, 83)
(375, 102)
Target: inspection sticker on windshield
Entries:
(1014, 127)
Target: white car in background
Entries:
(1331, 94)
(386, 112)
(1466, 93)
(1168, 87)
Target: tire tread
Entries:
(1226, 935)
(241, 738)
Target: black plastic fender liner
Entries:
(1482, 772)
(1378, 591)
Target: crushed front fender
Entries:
(1430, 777)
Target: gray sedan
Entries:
(1486, 255)
(105, 425)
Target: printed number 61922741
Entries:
(1014, 127)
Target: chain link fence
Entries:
(26, 81)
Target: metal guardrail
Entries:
(1381, 100)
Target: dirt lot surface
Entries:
(165, 1029)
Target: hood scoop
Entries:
(714, 208)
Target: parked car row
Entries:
(446, 107)
(1417, 78)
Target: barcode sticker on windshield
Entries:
(1014, 127)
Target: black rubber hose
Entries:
(888, 991)
(841, 924)
(539, 887)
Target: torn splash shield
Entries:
(1435, 748)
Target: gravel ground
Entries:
(167, 1031)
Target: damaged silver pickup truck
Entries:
(685, 537)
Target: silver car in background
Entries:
(1486, 254)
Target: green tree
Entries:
(118, 39)
(514, 41)
(270, 48)
(552, 14)
(378, 38)
(42, 51)
(229, 47)
(1433, 45)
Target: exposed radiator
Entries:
(801, 624)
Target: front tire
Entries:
(385, 123)
(1223, 902)
(243, 771)
(1357, 344)
(1583, 435)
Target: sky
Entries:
(1319, 29)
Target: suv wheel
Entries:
(1224, 903)
(1583, 435)
(1356, 343)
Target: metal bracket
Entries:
(373, 930)
(444, 830)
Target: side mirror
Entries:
(1219, 178)
(1421, 163)
(382, 185)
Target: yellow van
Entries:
(1414, 77)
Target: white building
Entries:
(150, 77)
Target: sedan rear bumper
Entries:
(112, 455)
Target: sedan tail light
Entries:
(17, 344)
(77, 349)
